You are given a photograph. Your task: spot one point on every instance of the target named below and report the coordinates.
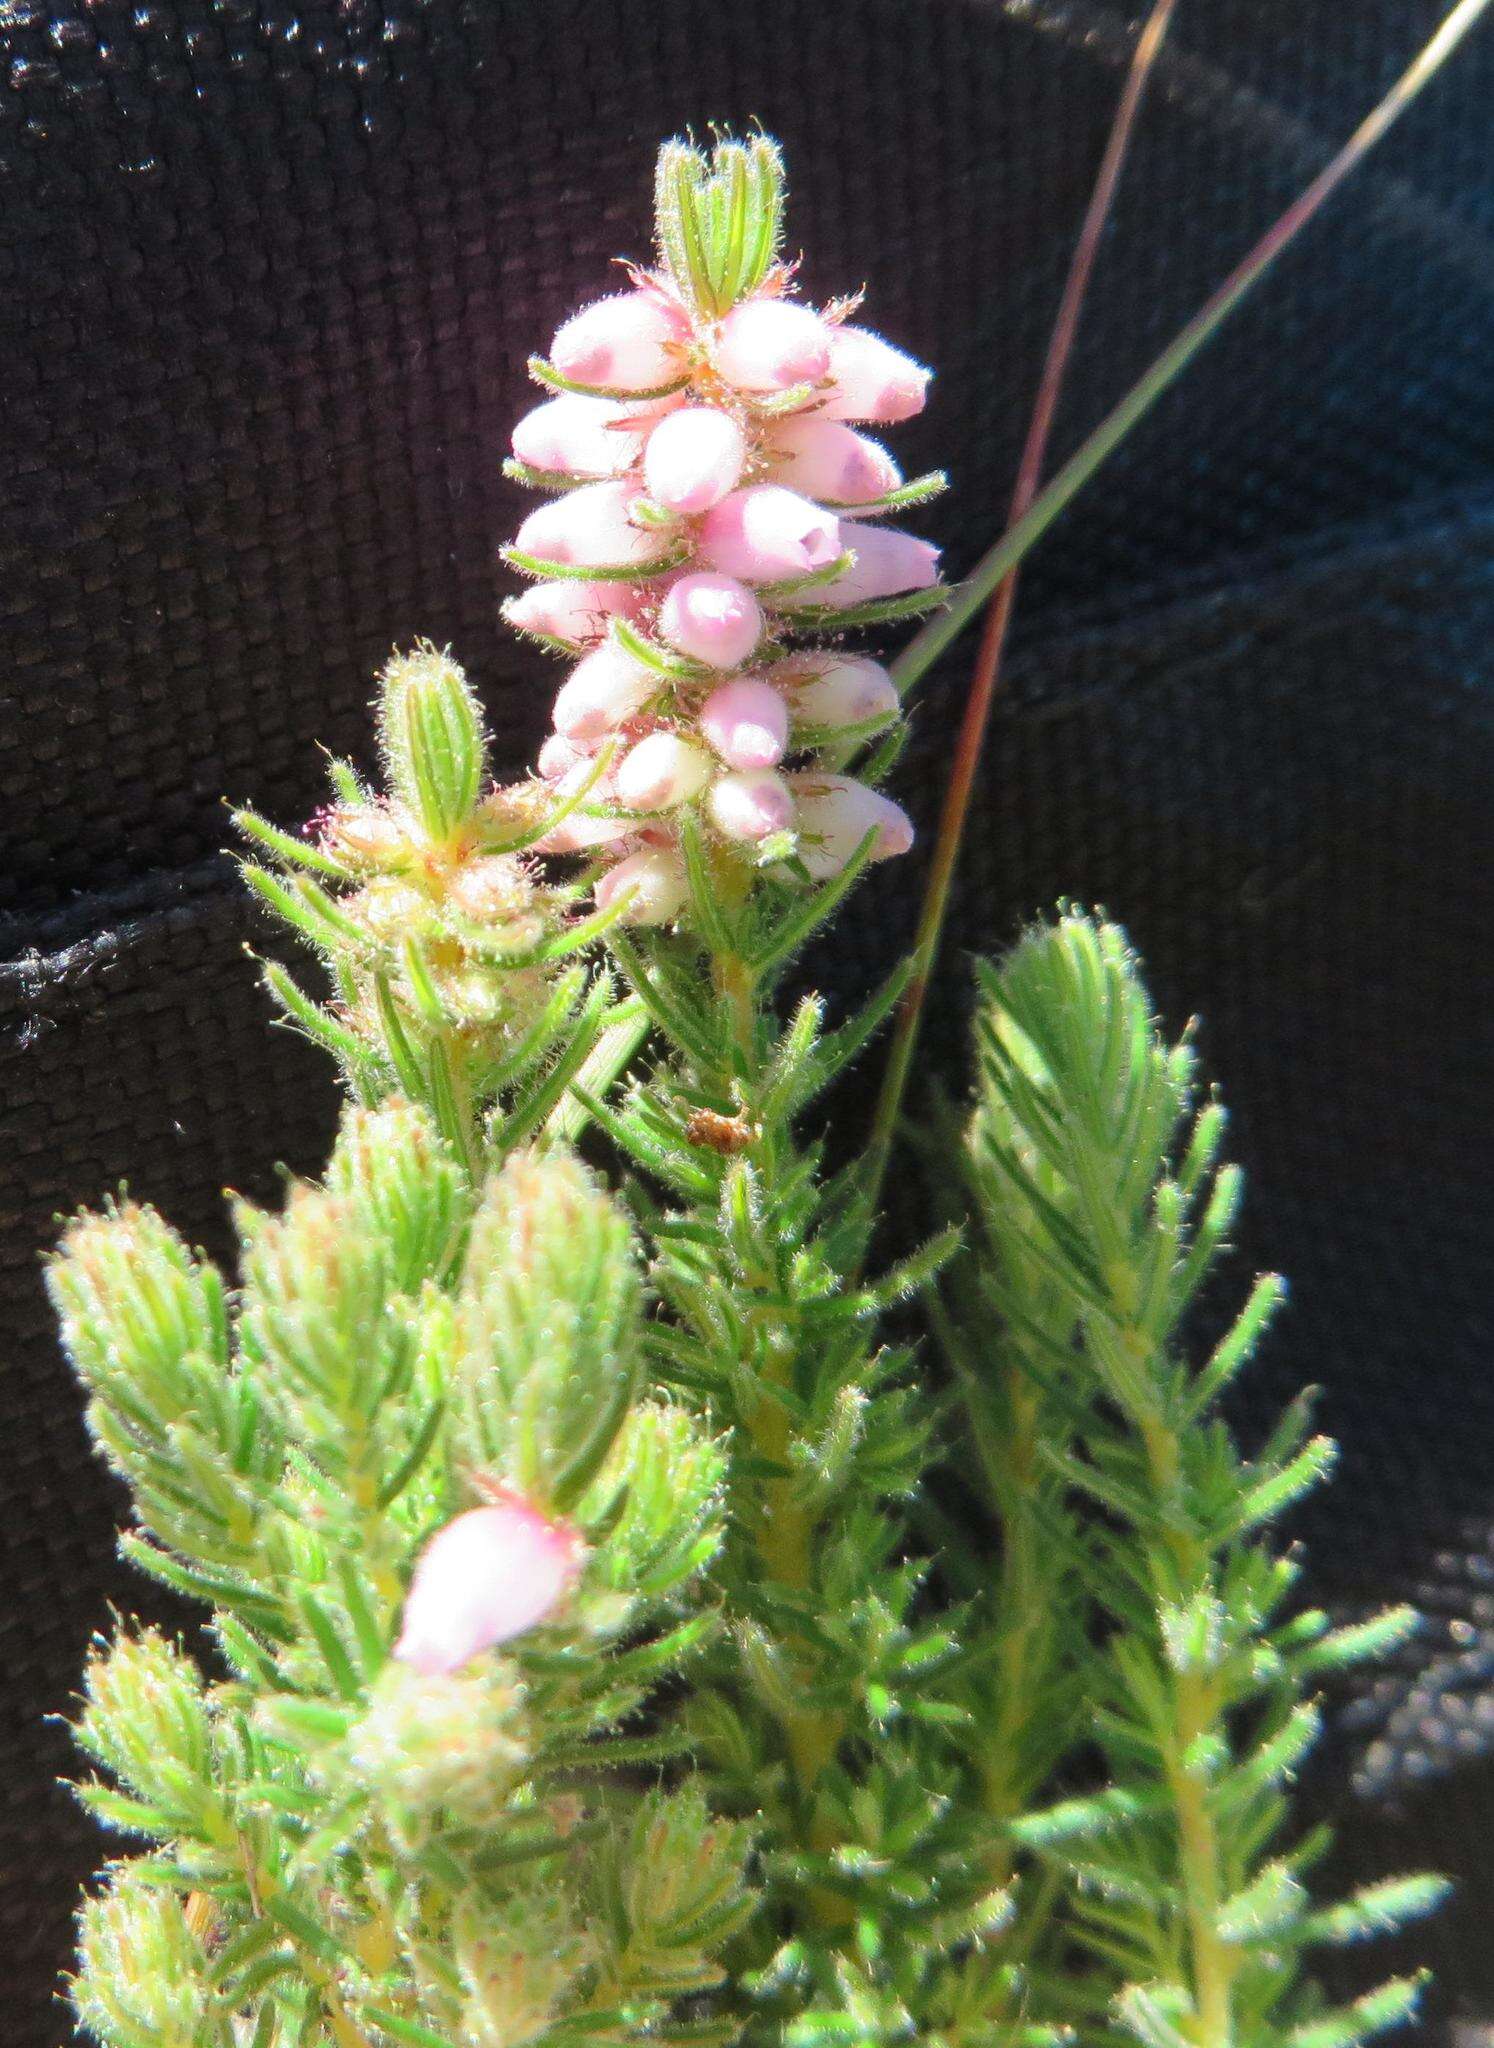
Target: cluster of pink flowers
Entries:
(716, 504)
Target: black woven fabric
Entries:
(270, 273)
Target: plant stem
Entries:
(988, 660)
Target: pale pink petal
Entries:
(824, 459)
(750, 806)
(887, 562)
(630, 341)
(654, 882)
(767, 533)
(604, 688)
(589, 528)
(835, 813)
(570, 610)
(483, 1579)
(713, 619)
(771, 344)
(746, 721)
(838, 690)
(871, 379)
(661, 771)
(694, 458)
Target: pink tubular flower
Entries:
(578, 437)
(604, 688)
(843, 690)
(824, 459)
(871, 379)
(557, 757)
(630, 342)
(746, 722)
(749, 806)
(570, 610)
(694, 458)
(766, 533)
(589, 528)
(654, 881)
(887, 561)
(835, 813)
(713, 619)
(772, 344)
(483, 1579)
(660, 772)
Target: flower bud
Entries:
(771, 344)
(694, 458)
(845, 690)
(835, 814)
(366, 837)
(604, 688)
(887, 561)
(142, 1973)
(713, 619)
(491, 889)
(661, 771)
(578, 437)
(483, 1579)
(440, 1741)
(589, 528)
(654, 881)
(746, 721)
(750, 805)
(872, 380)
(826, 460)
(571, 611)
(430, 734)
(630, 341)
(766, 533)
(557, 757)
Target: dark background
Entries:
(268, 276)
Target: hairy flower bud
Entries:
(845, 690)
(746, 722)
(826, 460)
(661, 771)
(653, 882)
(578, 436)
(750, 805)
(604, 688)
(887, 562)
(835, 813)
(771, 344)
(765, 534)
(630, 341)
(570, 610)
(872, 380)
(694, 458)
(590, 528)
(440, 1742)
(142, 1972)
(483, 1579)
(713, 619)
(430, 734)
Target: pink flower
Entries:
(771, 344)
(570, 610)
(887, 561)
(484, 1579)
(766, 533)
(839, 690)
(578, 437)
(654, 881)
(630, 341)
(750, 806)
(824, 459)
(661, 771)
(694, 457)
(746, 721)
(872, 380)
(589, 528)
(557, 757)
(713, 619)
(604, 688)
(834, 815)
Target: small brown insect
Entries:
(724, 1134)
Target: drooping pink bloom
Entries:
(713, 619)
(746, 721)
(834, 813)
(839, 690)
(771, 344)
(767, 533)
(579, 437)
(661, 771)
(655, 882)
(589, 528)
(570, 610)
(483, 1579)
(824, 459)
(557, 757)
(630, 342)
(872, 380)
(887, 562)
(604, 688)
(694, 458)
(750, 805)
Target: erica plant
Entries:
(589, 1659)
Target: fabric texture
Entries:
(270, 275)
